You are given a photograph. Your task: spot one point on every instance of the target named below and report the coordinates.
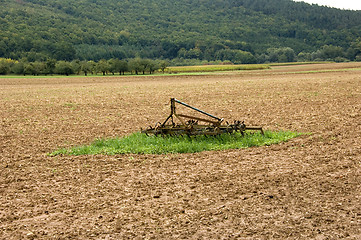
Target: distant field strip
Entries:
(216, 68)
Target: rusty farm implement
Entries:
(206, 124)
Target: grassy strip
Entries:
(216, 68)
(141, 144)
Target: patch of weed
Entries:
(139, 143)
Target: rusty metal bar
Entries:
(255, 128)
(196, 109)
(197, 118)
(172, 111)
(180, 119)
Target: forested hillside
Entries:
(243, 31)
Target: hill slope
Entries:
(95, 29)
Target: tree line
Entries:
(186, 57)
(104, 67)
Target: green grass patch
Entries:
(139, 143)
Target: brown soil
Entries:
(309, 187)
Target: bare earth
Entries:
(307, 188)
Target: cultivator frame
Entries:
(189, 125)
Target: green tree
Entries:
(354, 52)
(153, 66)
(76, 66)
(4, 67)
(64, 51)
(285, 54)
(29, 69)
(50, 66)
(135, 65)
(123, 66)
(329, 52)
(163, 65)
(86, 67)
(243, 57)
(64, 68)
(39, 67)
(3, 49)
(304, 57)
(117, 65)
(144, 65)
(103, 66)
(114, 65)
(18, 68)
(194, 53)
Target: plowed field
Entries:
(308, 187)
